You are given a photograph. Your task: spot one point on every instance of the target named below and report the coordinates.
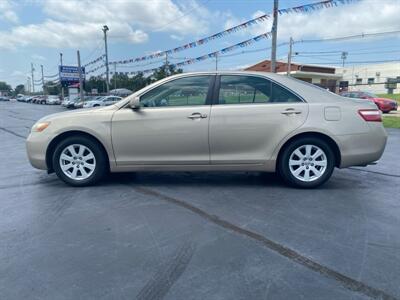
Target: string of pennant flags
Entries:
(95, 69)
(206, 56)
(96, 60)
(298, 9)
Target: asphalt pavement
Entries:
(194, 235)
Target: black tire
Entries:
(101, 166)
(96, 105)
(283, 163)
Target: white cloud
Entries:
(58, 34)
(176, 37)
(7, 12)
(156, 15)
(360, 17)
(37, 57)
(77, 23)
(17, 73)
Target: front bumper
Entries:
(36, 146)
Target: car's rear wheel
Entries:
(79, 161)
(306, 162)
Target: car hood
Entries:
(73, 113)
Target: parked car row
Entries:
(39, 99)
(89, 101)
(4, 98)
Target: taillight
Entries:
(370, 115)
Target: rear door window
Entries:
(241, 89)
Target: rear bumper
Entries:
(363, 149)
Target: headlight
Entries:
(39, 127)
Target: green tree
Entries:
(52, 88)
(19, 89)
(139, 81)
(165, 71)
(4, 87)
(95, 82)
(119, 81)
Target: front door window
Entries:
(186, 91)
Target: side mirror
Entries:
(134, 103)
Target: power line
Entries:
(357, 62)
(349, 37)
(188, 12)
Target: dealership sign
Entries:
(70, 75)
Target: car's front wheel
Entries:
(79, 161)
(306, 162)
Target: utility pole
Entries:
(28, 85)
(166, 64)
(216, 61)
(274, 36)
(344, 56)
(33, 80)
(80, 76)
(115, 77)
(105, 29)
(41, 67)
(289, 58)
(62, 88)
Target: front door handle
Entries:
(197, 115)
(291, 111)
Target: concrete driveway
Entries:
(194, 235)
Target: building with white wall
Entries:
(372, 77)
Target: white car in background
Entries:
(104, 101)
(70, 101)
(53, 100)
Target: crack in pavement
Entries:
(345, 281)
(374, 172)
(12, 132)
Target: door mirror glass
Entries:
(134, 103)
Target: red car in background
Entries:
(384, 104)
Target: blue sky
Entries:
(37, 31)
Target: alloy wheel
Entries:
(308, 163)
(77, 162)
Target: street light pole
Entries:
(80, 76)
(290, 56)
(115, 77)
(105, 29)
(41, 67)
(33, 79)
(344, 56)
(274, 36)
(62, 88)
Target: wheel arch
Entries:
(54, 142)
(331, 142)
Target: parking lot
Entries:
(194, 235)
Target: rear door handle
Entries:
(197, 116)
(291, 111)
